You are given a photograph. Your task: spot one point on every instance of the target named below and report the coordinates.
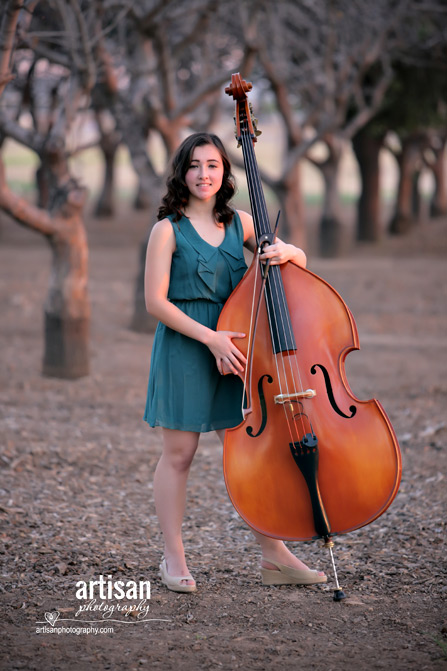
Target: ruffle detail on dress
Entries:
(207, 265)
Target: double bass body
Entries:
(302, 464)
(359, 467)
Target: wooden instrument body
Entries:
(359, 466)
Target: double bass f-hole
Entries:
(263, 407)
(330, 393)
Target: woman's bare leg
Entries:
(273, 548)
(171, 475)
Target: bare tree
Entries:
(367, 144)
(163, 74)
(409, 159)
(52, 63)
(319, 61)
(414, 109)
(329, 66)
(7, 35)
(330, 225)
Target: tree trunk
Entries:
(331, 229)
(66, 347)
(67, 310)
(367, 151)
(416, 195)
(142, 321)
(141, 200)
(149, 188)
(43, 187)
(408, 161)
(290, 197)
(109, 144)
(148, 198)
(438, 205)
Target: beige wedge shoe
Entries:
(286, 575)
(174, 583)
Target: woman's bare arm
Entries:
(161, 247)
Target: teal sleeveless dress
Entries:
(185, 390)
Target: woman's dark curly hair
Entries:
(177, 195)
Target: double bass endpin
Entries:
(339, 595)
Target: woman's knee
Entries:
(178, 460)
(179, 449)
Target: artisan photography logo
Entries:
(101, 602)
(108, 597)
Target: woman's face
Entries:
(205, 173)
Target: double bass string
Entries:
(274, 282)
(257, 205)
(274, 285)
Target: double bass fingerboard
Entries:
(277, 309)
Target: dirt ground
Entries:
(76, 493)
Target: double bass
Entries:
(309, 460)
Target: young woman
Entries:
(194, 260)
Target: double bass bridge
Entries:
(282, 399)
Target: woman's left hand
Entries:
(281, 252)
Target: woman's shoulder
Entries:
(244, 216)
(162, 233)
(164, 227)
(247, 223)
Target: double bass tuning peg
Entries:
(254, 121)
(239, 141)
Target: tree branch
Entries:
(42, 51)
(280, 90)
(89, 69)
(23, 212)
(7, 34)
(166, 70)
(199, 28)
(208, 86)
(28, 137)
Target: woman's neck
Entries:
(200, 209)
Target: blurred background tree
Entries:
(52, 71)
(147, 73)
(411, 123)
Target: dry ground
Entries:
(76, 499)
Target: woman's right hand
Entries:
(229, 358)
